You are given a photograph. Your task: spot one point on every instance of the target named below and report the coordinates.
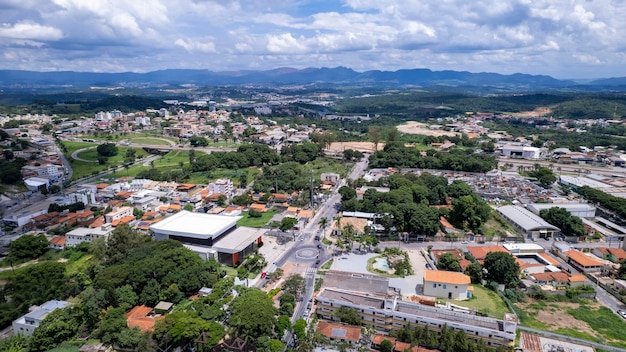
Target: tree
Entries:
(28, 247)
(348, 315)
(198, 141)
(294, 284)
(188, 207)
(347, 193)
(287, 223)
(252, 314)
(469, 212)
(107, 149)
(58, 326)
(121, 241)
(621, 273)
(299, 329)
(374, 135)
(283, 323)
(323, 222)
(502, 268)
(561, 218)
(544, 176)
(182, 328)
(475, 272)
(221, 200)
(386, 346)
(125, 297)
(448, 262)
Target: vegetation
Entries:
(398, 156)
(605, 200)
(502, 268)
(570, 225)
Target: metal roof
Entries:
(525, 219)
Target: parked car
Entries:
(622, 313)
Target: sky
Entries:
(560, 38)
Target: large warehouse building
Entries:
(211, 236)
(529, 224)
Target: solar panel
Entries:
(339, 332)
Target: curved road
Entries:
(76, 157)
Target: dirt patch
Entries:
(363, 147)
(538, 112)
(413, 127)
(554, 314)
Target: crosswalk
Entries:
(311, 271)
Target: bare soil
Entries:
(554, 314)
(413, 127)
(364, 147)
(538, 112)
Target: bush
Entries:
(253, 213)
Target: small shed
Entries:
(163, 307)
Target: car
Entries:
(622, 313)
(317, 238)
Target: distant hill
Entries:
(287, 76)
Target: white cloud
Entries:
(30, 31)
(196, 46)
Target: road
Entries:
(564, 168)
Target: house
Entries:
(398, 346)
(143, 318)
(57, 242)
(87, 234)
(446, 284)
(558, 280)
(27, 323)
(340, 332)
(480, 252)
(582, 262)
(616, 255)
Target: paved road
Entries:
(78, 151)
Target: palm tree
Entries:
(338, 221)
(323, 222)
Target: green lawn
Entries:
(149, 140)
(256, 222)
(82, 168)
(602, 320)
(322, 165)
(485, 301)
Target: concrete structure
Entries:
(209, 235)
(519, 151)
(35, 184)
(222, 186)
(86, 234)
(611, 231)
(536, 343)
(446, 284)
(118, 214)
(386, 314)
(582, 210)
(529, 224)
(27, 323)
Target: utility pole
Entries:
(311, 188)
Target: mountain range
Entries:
(291, 76)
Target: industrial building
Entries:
(581, 210)
(529, 224)
(209, 235)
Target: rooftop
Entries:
(582, 259)
(525, 219)
(195, 225)
(448, 277)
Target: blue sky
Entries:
(561, 38)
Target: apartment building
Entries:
(387, 313)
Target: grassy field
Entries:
(256, 222)
(587, 320)
(485, 301)
(322, 165)
(150, 140)
(119, 137)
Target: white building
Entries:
(446, 284)
(85, 234)
(36, 183)
(581, 210)
(86, 195)
(222, 186)
(209, 235)
(27, 323)
(118, 214)
(523, 152)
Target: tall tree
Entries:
(448, 262)
(502, 268)
(252, 314)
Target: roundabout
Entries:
(307, 253)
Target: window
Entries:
(444, 286)
(434, 285)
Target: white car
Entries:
(622, 313)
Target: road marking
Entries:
(311, 271)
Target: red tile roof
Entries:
(352, 333)
(58, 240)
(138, 317)
(582, 259)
